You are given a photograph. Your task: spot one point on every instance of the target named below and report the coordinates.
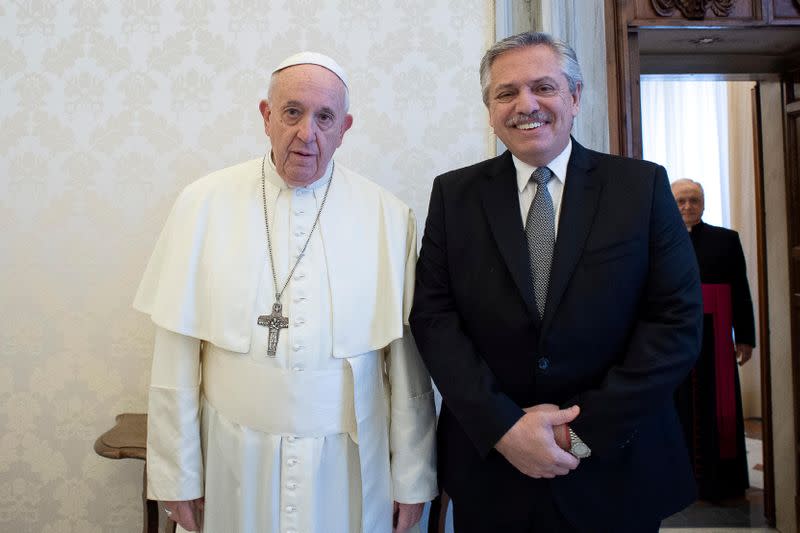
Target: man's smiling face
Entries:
(530, 106)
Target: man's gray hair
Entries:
(687, 181)
(566, 55)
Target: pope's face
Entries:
(305, 120)
(690, 202)
(530, 107)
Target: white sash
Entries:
(276, 401)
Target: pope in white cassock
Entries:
(287, 394)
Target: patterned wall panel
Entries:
(108, 109)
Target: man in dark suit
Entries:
(709, 401)
(556, 319)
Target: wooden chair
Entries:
(128, 440)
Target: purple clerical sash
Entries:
(717, 303)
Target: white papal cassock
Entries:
(323, 437)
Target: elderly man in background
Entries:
(286, 391)
(709, 402)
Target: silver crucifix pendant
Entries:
(275, 321)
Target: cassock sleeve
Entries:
(412, 429)
(174, 457)
(743, 323)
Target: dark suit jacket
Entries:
(621, 329)
(721, 260)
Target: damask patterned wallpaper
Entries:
(107, 110)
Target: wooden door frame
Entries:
(791, 110)
(763, 316)
(625, 136)
(624, 106)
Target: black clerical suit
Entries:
(721, 261)
(620, 331)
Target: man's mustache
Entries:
(524, 118)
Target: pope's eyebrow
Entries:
(297, 103)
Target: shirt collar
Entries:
(558, 166)
(697, 227)
(274, 178)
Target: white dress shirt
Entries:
(527, 187)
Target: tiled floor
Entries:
(745, 515)
(718, 530)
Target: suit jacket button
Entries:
(544, 363)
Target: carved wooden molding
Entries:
(693, 9)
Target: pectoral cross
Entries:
(275, 321)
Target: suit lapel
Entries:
(578, 207)
(501, 203)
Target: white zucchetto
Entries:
(313, 58)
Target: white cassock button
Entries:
(297, 347)
(299, 212)
(298, 368)
(290, 508)
(299, 321)
(292, 461)
(299, 275)
(291, 485)
(291, 438)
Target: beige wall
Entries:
(743, 220)
(108, 110)
(779, 306)
(581, 23)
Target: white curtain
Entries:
(685, 129)
(703, 130)
(743, 219)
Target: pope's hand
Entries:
(406, 515)
(530, 444)
(188, 514)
